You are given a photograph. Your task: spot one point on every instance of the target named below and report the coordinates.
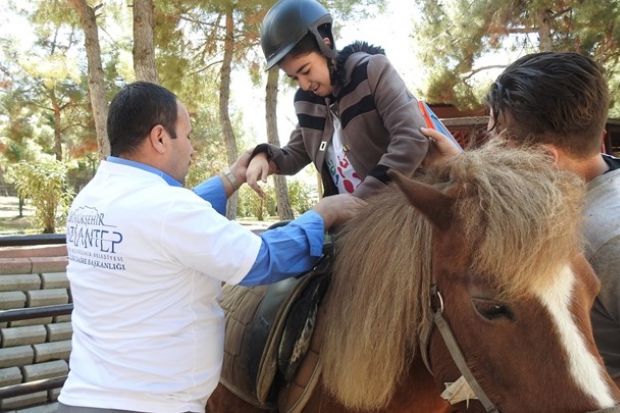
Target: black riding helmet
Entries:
(287, 22)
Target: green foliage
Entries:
(207, 161)
(252, 206)
(456, 37)
(46, 94)
(613, 74)
(210, 153)
(81, 171)
(43, 182)
(299, 196)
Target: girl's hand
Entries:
(258, 169)
(440, 147)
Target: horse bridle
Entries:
(459, 358)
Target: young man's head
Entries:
(147, 124)
(552, 98)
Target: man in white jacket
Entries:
(147, 259)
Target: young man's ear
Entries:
(156, 138)
(603, 146)
(555, 153)
(328, 42)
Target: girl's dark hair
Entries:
(135, 110)
(309, 43)
(556, 98)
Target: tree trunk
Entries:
(544, 30)
(227, 130)
(143, 47)
(57, 133)
(271, 102)
(96, 85)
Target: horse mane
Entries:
(520, 211)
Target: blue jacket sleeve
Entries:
(288, 251)
(212, 190)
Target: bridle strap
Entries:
(459, 360)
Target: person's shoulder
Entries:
(166, 195)
(171, 198)
(605, 259)
(606, 187)
(179, 201)
(612, 162)
(183, 193)
(379, 63)
(355, 54)
(364, 48)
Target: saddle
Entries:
(269, 334)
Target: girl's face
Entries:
(310, 71)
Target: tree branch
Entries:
(522, 30)
(195, 21)
(483, 68)
(561, 12)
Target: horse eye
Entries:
(492, 309)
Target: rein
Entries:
(459, 359)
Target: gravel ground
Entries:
(9, 207)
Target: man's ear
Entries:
(553, 151)
(156, 138)
(327, 42)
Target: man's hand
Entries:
(337, 209)
(240, 167)
(440, 148)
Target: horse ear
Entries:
(434, 204)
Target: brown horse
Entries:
(481, 254)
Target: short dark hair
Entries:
(135, 110)
(558, 98)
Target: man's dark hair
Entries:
(135, 110)
(555, 98)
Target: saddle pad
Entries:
(255, 320)
(240, 304)
(268, 330)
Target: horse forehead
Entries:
(452, 250)
(575, 286)
(569, 314)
